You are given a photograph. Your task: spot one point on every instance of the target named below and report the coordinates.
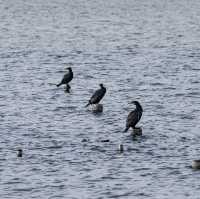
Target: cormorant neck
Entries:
(70, 70)
(139, 107)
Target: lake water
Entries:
(145, 50)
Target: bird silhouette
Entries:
(67, 78)
(97, 96)
(134, 116)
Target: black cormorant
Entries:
(97, 96)
(134, 116)
(67, 78)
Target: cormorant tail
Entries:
(87, 104)
(126, 129)
(58, 84)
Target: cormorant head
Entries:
(101, 85)
(69, 68)
(137, 104)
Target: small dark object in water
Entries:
(84, 140)
(105, 140)
(67, 77)
(19, 154)
(196, 164)
(97, 96)
(134, 116)
(121, 148)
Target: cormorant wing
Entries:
(97, 96)
(132, 119)
(67, 77)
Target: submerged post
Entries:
(196, 164)
(121, 148)
(137, 131)
(97, 108)
(19, 153)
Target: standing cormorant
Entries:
(97, 96)
(134, 116)
(67, 78)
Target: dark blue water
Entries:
(141, 50)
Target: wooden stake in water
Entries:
(196, 164)
(121, 148)
(97, 108)
(137, 131)
(19, 153)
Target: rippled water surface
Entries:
(145, 50)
